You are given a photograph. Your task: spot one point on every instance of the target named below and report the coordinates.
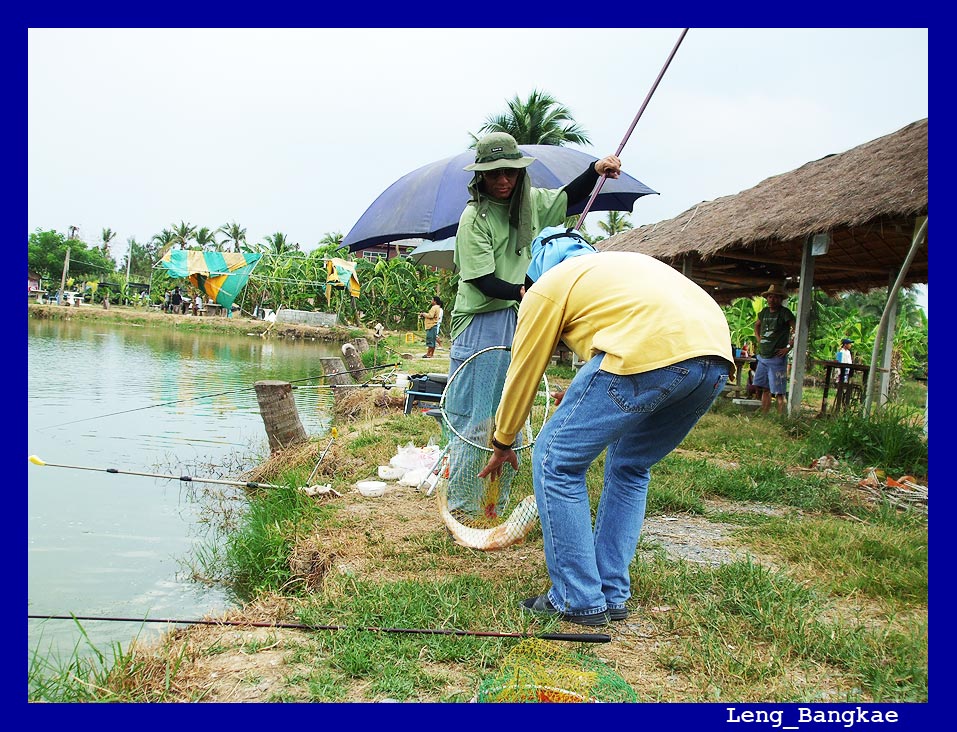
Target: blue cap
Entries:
(553, 246)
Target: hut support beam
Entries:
(919, 236)
(803, 318)
(887, 356)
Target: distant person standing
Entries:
(175, 301)
(774, 332)
(432, 319)
(844, 355)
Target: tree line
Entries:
(394, 289)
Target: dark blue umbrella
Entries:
(428, 202)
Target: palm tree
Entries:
(107, 236)
(615, 223)
(183, 233)
(234, 233)
(277, 244)
(539, 120)
(207, 239)
(331, 238)
(164, 241)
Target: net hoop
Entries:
(529, 429)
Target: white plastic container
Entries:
(390, 472)
(371, 488)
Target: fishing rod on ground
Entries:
(571, 637)
(207, 396)
(601, 180)
(184, 478)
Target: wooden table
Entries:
(739, 363)
(842, 393)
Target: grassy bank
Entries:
(149, 317)
(761, 576)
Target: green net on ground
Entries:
(538, 671)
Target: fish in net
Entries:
(485, 513)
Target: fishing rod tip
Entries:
(35, 460)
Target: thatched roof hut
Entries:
(868, 199)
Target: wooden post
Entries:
(335, 366)
(278, 410)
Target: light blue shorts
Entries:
(772, 374)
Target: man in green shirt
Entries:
(492, 253)
(774, 331)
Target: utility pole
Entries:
(129, 258)
(66, 268)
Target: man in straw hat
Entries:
(774, 331)
(492, 253)
(658, 353)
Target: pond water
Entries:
(137, 399)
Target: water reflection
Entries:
(142, 400)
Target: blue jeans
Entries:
(640, 419)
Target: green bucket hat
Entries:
(498, 150)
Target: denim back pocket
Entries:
(645, 392)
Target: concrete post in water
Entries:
(278, 410)
(362, 343)
(335, 366)
(353, 361)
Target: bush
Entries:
(891, 437)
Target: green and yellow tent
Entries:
(221, 275)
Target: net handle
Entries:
(528, 426)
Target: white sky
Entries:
(299, 130)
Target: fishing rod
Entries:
(184, 478)
(334, 433)
(572, 637)
(601, 180)
(207, 396)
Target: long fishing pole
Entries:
(207, 396)
(184, 478)
(601, 180)
(573, 637)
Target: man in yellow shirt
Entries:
(658, 352)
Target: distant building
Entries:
(387, 251)
(34, 282)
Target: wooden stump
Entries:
(279, 413)
(335, 366)
(353, 362)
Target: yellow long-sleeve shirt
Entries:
(641, 313)
(432, 317)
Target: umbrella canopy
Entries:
(428, 202)
(435, 253)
